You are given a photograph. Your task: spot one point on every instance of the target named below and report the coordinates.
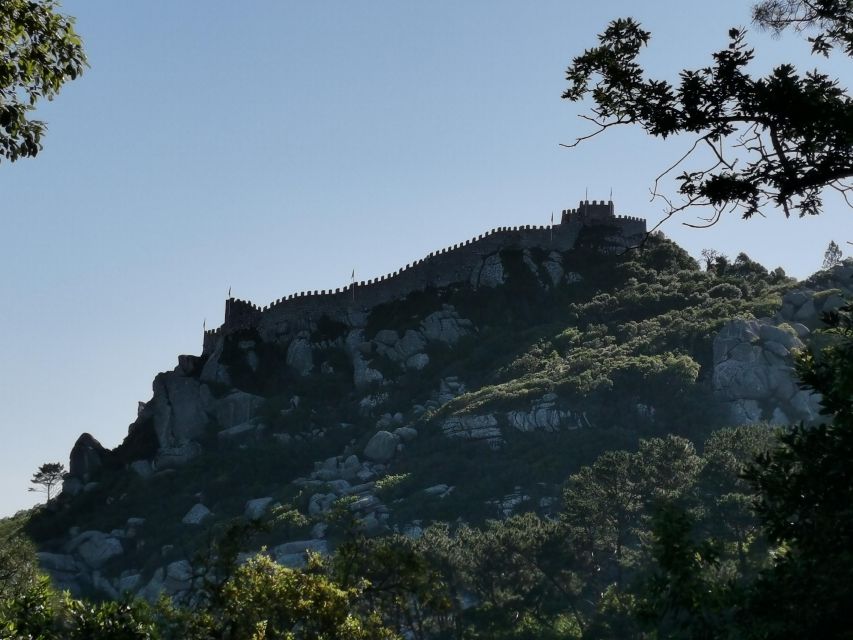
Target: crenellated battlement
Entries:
(453, 264)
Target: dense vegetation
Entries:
(664, 527)
(627, 346)
(749, 538)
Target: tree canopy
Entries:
(39, 52)
(781, 139)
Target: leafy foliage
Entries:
(781, 138)
(39, 52)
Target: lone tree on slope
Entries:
(832, 256)
(47, 477)
(782, 139)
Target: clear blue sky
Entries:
(274, 146)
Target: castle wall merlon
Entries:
(450, 265)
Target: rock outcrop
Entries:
(445, 326)
(545, 415)
(382, 446)
(299, 354)
(479, 428)
(489, 273)
(87, 458)
(754, 373)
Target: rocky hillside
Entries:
(463, 403)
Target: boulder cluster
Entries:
(754, 358)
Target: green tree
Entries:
(39, 52)
(18, 565)
(47, 477)
(266, 600)
(31, 612)
(680, 599)
(805, 502)
(779, 139)
(729, 498)
(602, 504)
(667, 468)
(400, 579)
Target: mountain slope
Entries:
(468, 401)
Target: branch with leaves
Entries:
(780, 140)
(39, 52)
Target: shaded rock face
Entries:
(179, 408)
(64, 570)
(754, 372)
(406, 350)
(87, 457)
(94, 548)
(363, 374)
(213, 370)
(489, 273)
(445, 326)
(170, 457)
(299, 355)
(236, 408)
(554, 268)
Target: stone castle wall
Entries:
(451, 265)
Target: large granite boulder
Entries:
(179, 408)
(754, 372)
(293, 554)
(58, 563)
(255, 509)
(87, 457)
(196, 515)
(94, 548)
(382, 446)
(178, 577)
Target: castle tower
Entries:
(591, 213)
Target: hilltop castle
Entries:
(452, 265)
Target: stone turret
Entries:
(591, 213)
